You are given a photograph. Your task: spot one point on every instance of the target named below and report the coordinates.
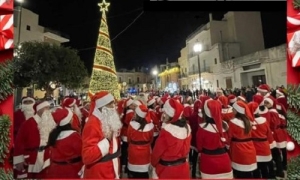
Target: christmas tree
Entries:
(104, 76)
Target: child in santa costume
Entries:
(227, 113)
(242, 150)
(214, 159)
(140, 136)
(278, 134)
(65, 145)
(260, 132)
(70, 103)
(263, 90)
(231, 99)
(281, 98)
(154, 117)
(169, 156)
(283, 125)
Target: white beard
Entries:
(46, 125)
(28, 110)
(111, 123)
(77, 112)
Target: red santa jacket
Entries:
(172, 144)
(260, 133)
(265, 113)
(76, 123)
(85, 115)
(282, 100)
(94, 147)
(19, 119)
(242, 150)
(208, 139)
(139, 149)
(279, 133)
(156, 122)
(227, 114)
(194, 124)
(27, 147)
(126, 120)
(158, 111)
(67, 148)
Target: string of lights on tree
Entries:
(104, 76)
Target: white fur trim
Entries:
(264, 111)
(228, 175)
(73, 103)
(154, 174)
(269, 100)
(28, 99)
(22, 176)
(281, 116)
(278, 107)
(281, 145)
(210, 127)
(273, 144)
(35, 168)
(103, 145)
(116, 164)
(238, 108)
(262, 90)
(260, 120)
(238, 122)
(232, 100)
(227, 110)
(263, 158)
(186, 105)
(136, 102)
(18, 159)
(124, 138)
(256, 110)
(177, 132)
(206, 110)
(104, 100)
(244, 167)
(169, 110)
(242, 98)
(273, 110)
(155, 134)
(81, 172)
(280, 93)
(293, 21)
(152, 101)
(200, 114)
(42, 105)
(65, 134)
(138, 168)
(67, 119)
(135, 125)
(129, 111)
(140, 113)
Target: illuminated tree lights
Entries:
(104, 72)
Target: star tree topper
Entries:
(104, 6)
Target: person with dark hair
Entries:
(260, 132)
(155, 120)
(227, 113)
(65, 146)
(211, 137)
(140, 136)
(283, 125)
(169, 156)
(242, 150)
(278, 134)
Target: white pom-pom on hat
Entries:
(254, 127)
(290, 146)
(223, 139)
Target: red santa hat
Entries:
(280, 107)
(203, 99)
(42, 105)
(241, 98)
(292, 147)
(142, 111)
(62, 116)
(259, 99)
(263, 88)
(173, 109)
(187, 111)
(120, 106)
(254, 109)
(100, 99)
(280, 92)
(271, 100)
(231, 98)
(197, 106)
(128, 102)
(150, 102)
(242, 108)
(163, 99)
(69, 102)
(212, 109)
(223, 100)
(28, 99)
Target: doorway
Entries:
(258, 80)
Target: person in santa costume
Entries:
(214, 159)
(260, 132)
(100, 139)
(23, 114)
(84, 112)
(231, 99)
(242, 150)
(140, 136)
(155, 119)
(120, 107)
(65, 146)
(70, 103)
(227, 113)
(283, 125)
(281, 98)
(278, 134)
(31, 153)
(188, 101)
(219, 92)
(263, 90)
(169, 156)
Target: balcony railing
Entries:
(203, 70)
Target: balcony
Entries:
(203, 70)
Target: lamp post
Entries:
(154, 72)
(20, 18)
(198, 49)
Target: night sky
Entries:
(154, 36)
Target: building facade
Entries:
(169, 77)
(183, 64)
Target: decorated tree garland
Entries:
(293, 146)
(6, 77)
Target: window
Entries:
(216, 61)
(120, 80)
(129, 80)
(217, 83)
(28, 28)
(138, 80)
(193, 68)
(204, 65)
(228, 83)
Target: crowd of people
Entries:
(160, 137)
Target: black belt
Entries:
(259, 139)
(172, 163)
(241, 140)
(71, 161)
(109, 157)
(214, 151)
(39, 149)
(139, 142)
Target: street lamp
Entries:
(154, 72)
(20, 18)
(198, 49)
